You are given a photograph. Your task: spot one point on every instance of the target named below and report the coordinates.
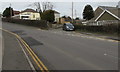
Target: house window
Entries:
(24, 17)
(33, 16)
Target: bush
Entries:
(35, 23)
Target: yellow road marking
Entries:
(31, 65)
(36, 56)
(33, 55)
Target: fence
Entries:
(99, 23)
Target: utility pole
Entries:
(75, 13)
(72, 12)
(10, 11)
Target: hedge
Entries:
(35, 23)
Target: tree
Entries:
(77, 18)
(8, 12)
(64, 17)
(47, 6)
(88, 12)
(48, 15)
(38, 7)
(69, 18)
(42, 6)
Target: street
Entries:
(61, 50)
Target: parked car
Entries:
(68, 26)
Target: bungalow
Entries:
(105, 15)
(28, 14)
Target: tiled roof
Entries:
(29, 10)
(56, 12)
(16, 12)
(114, 10)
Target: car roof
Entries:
(68, 23)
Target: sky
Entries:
(63, 7)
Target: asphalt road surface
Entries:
(61, 50)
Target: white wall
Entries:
(57, 16)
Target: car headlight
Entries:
(73, 26)
(67, 27)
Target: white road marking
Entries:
(30, 63)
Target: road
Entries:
(60, 50)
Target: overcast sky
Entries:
(63, 7)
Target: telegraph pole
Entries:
(10, 10)
(75, 13)
(72, 12)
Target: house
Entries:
(65, 19)
(105, 15)
(16, 12)
(28, 14)
(57, 16)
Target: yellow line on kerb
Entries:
(39, 63)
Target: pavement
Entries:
(0, 53)
(14, 58)
(0, 45)
(87, 35)
(61, 50)
(116, 38)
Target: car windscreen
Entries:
(69, 24)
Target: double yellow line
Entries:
(39, 63)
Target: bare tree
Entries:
(38, 6)
(47, 6)
(43, 6)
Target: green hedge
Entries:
(35, 23)
(111, 29)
